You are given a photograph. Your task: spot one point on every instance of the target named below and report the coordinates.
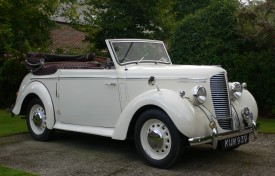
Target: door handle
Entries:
(110, 84)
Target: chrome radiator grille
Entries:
(220, 101)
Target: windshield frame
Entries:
(112, 41)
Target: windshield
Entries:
(137, 51)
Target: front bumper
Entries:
(215, 137)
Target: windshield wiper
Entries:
(142, 58)
(126, 52)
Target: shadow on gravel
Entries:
(95, 143)
(194, 157)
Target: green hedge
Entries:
(257, 68)
(12, 71)
(211, 37)
(207, 37)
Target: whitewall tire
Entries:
(36, 120)
(157, 139)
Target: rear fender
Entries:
(41, 91)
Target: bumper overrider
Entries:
(216, 137)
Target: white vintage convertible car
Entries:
(137, 92)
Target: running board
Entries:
(101, 131)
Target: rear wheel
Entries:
(157, 139)
(36, 120)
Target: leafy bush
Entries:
(11, 75)
(257, 69)
(208, 36)
(212, 36)
(25, 25)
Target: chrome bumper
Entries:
(215, 137)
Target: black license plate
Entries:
(234, 141)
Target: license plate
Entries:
(235, 141)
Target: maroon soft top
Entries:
(44, 64)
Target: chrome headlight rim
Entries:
(236, 90)
(199, 95)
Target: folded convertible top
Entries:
(43, 63)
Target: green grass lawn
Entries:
(266, 125)
(10, 126)
(13, 172)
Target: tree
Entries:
(128, 19)
(208, 36)
(240, 38)
(256, 23)
(24, 26)
(185, 7)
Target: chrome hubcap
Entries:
(155, 139)
(38, 119)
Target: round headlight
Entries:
(236, 90)
(199, 94)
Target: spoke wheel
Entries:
(157, 139)
(37, 120)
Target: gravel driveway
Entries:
(80, 154)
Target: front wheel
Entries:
(157, 139)
(36, 120)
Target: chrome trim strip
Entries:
(171, 78)
(191, 80)
(194, 80)
(146, 78)
(83, 77)
(36, 78)
(86, 77)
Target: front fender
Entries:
(41, 91)
(184, 115)
(246, 100)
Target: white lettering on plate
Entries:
(235, 141)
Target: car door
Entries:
(88, 97)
